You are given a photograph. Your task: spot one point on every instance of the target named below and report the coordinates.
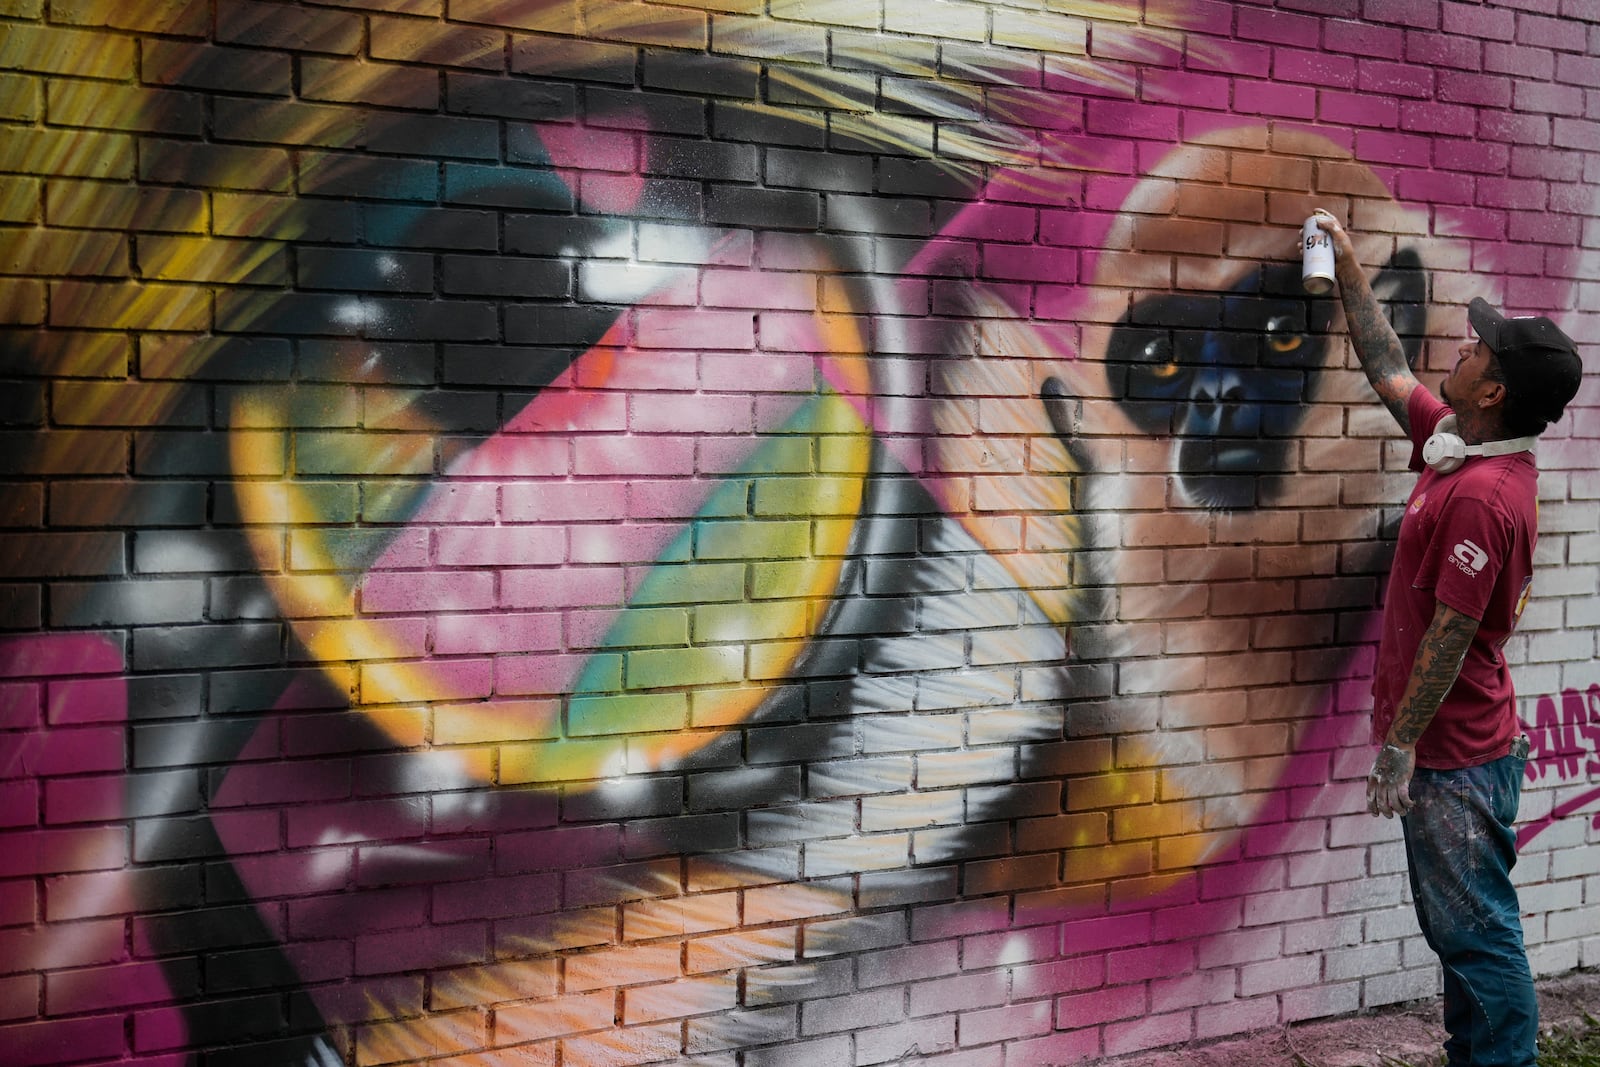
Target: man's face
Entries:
(1472, 375)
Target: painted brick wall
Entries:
(743, 532)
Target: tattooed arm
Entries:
(1439, 658)
(1376, 343)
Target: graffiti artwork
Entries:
(617, 533)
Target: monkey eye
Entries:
(1158, 359)
(1284, 334)
(1147, 373)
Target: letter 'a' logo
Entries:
(1469, 557)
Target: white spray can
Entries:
(1316, 258)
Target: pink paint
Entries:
(80, 799)
(89, 700)
(665, 500)
(112, 987)
(64, 748)
(624, 378)
(1564, 744)
(437, 679)
(427, 591)
(59, 656)
(554, 502)
(60, 1041)
(634, 455)
(523, 632)
(568, 587)
(696, 328)
(90, 883)
(577, 151)
(732, 414)
(547, 675)
(162, 1028)
(501, 546)
(775, 370)
(21, 705)
(638, 543)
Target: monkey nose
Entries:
(1213, 401)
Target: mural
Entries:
(617, 533)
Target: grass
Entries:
(1579, 1048)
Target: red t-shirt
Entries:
(1466, 539)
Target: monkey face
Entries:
(1227, 377)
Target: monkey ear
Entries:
(1402, 287)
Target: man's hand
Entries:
(1389, 781)
(1343, 247)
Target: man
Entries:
(1452, 754)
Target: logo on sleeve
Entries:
(1469, 558)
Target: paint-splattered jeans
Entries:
(1460, 849)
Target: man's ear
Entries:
(1493, 396)
(1402, 287)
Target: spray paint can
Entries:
(1316, 258)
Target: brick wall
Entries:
(744, 533)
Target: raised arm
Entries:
(1377, 345)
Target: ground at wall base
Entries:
(1404, 1034)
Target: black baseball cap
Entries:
(1540, 363)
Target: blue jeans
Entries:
(1460, 849)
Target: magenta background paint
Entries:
(613, 533)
